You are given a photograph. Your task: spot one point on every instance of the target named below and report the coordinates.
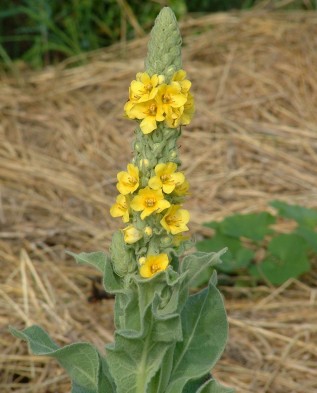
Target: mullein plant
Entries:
(167, 338)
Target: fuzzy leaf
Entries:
(213, 386)
(198, 264)
(134, 362)
(193, 385)
(111, 281)
(97, 259)
(161, 379)
(79, 389)
(80, 360)
(204, 327)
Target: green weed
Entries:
(42, 32)
(257, 249)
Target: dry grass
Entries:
(254, 139)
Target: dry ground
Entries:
(254, 138)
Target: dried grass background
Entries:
(254, 138)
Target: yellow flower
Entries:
(128, 182)
(189, 110)
(120, 208)
(166, 177)
(131, 234)
(149, 201)
(173, 117)
(144, 88)
(149, 112)
(175, 220)
(179, 77)
(153, 264)
(181, 189)
(181, 116)
(171, 96)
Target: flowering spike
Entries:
(153, 189)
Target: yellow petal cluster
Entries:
(153, 264)
(175, 220)
(166, 177)
(121, 208)
(128, 181)
(149, 201)
(151, 101)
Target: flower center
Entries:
(152, 110)
(165, 178)
(172, 220)
(166, 98)
(148, 87)
(132, 180)
(150, 202)
(123, 206)
(155, 268)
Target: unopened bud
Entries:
(165, 241)
(144, 163)
(142, 260)
(148, 231)
(131, 234)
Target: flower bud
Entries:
(166, 241)
(131, 234)
(121, 257)
(148, 231)
(144, 163)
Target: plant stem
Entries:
(141, 373)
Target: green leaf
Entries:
(204, 326)
(253, 226)
(80, 360)
(212, 224)
(111, 281)
(309, 235)
(236, 258)
(96, 259)
(287, 258)
(199, 266)
(134, 362)
(301, 214)
(162, 377)
(194, 385)
(106, 382)
(213, 386)
(79, 389)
